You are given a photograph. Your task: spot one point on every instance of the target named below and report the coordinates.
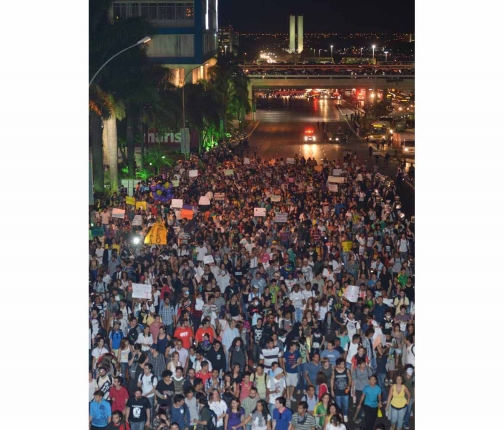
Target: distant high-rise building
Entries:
(292, 34)
(300, 34)
(228, 40)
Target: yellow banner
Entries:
(347, 246)
(156, 235)
(130, 201)
(141, 205)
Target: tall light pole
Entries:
(332, 46)
(386, 55)
(225, 49)
(374, 46)
(361, 51)
(319, 51)
(140, 42)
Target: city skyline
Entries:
(320, 15)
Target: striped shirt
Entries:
(305, 423)
(270, 356)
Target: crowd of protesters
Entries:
(267, 322)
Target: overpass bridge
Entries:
(274, 68)
(399, 82)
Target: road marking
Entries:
(250, 134)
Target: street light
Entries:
(140, 42)
(374, 46)
(225, 49)
(319, 51)
(361, 51)
(331, 50)
(386, 55)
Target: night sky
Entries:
(345, 16)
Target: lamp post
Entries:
(140, 42)
(361, 51)
(332, 46)
(319, 51)
(386, 55)
(374, 46)
(225, 49)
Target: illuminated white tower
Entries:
(292, 34)
(300, 34)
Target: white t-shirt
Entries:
(297, 299)
(351, 348)
(352, 327)
(148, 383)
(333, 427)
(275, 384)
(201, 251)
(219, 408)
(142, 339)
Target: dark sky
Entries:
(346, 16)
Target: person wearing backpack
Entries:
(133, 370)
(117, 422)
(179, 412)
(133, 331)
(104, 382)
(147, 382)
(116, 335)
(410, 350)
(207, 418)
(360, 377)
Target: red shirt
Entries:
(184, 334)
(202, 331)
(120, 397)
(204, 377)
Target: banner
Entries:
(177, 203)
(336, 179)
(259, 211)
(208, 259)
(137, 220)
(229, 172)
(333, 188)
(193, 173)
(351, 293)
(141, 205)
(97, 231)
(118, 213)
(142, 291)
(175, 183)
(204, 201)
(275, 198)
(290, 161)
(156, 235)
(347, 246)
(130, 201)
(281, 217)
(186, 213)
(219, 196)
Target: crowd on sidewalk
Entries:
(294, 288)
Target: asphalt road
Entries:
(280, 134)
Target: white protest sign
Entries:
(290, 160)
(332, 179)
(351, 293)
(229, 172)
(142, 291)
(275, 198)
(281, 217)
(177, 203)
(219, 196)
(199, 274)
(118, 213)
(208, 259)
(137, 220)
(246, 161)
(338, 179)
(259, 211)
(333, 188)
(209, 195)
(175, 183)
(193, 173)
(337, 172)
(359, 177)
(204, 201)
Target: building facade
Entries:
(228, 41)
(186, 39)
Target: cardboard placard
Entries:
(337, 172)
(347, 246)
(281, 217)
(290, 161)
(141, 205)
(175, 183)
(259, 211)
(130, 200)
(275, 198)
(229, 172)
(118, 213)
(208, 259)
(246, 160)
(337, 179)
(177, 203)
(137, 220)
(193, 173)
(351, 293)
(333, 188)
(142, 291)
(204, 201)
(219, 196)
(157, 234)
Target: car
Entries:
(337, 137)
(309, 135)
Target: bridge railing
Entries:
(335, 77)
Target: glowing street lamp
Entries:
(331, 49)
(386, 55)
(225, 49)
(374, 46)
